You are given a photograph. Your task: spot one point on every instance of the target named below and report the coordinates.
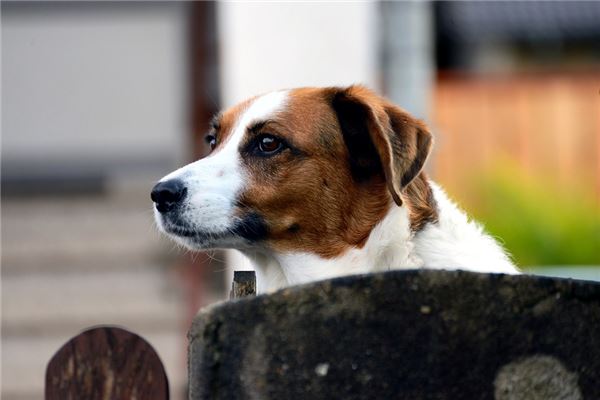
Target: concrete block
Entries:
(404, 335)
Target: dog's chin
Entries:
(240, 236)
(194, 239)
(243, 233)
(201, 243)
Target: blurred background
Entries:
(100, 99)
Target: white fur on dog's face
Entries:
(206, 218)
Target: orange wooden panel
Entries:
(549, 125)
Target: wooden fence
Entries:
(548, 124)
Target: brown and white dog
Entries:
(314, 183)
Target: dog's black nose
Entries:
(167, 194)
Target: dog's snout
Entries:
(167, 194)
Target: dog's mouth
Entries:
(250, 229)
(180, 229)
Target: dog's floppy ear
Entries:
(381, 137)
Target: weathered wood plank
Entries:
(244, 284)
(106, 363)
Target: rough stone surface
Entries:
(403, 335)
(536, 377)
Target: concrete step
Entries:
(69, 263)
(35, 305)
(41, 235)
(41, 312)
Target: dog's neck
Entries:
(389, 245)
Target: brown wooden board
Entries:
(106, 363)
(244, 284)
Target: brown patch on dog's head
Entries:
(347, 153)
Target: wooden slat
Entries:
(106, 363)
(549, 125)
(244, 284)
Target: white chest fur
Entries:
(453, 242)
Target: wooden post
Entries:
(203, 102)
(106, 363)
(244, 284)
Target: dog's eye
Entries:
(212, 141)
(268, 144)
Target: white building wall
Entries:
(268, 46)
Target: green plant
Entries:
(538, 221)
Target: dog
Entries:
(315, 183)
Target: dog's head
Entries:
(307, 170)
